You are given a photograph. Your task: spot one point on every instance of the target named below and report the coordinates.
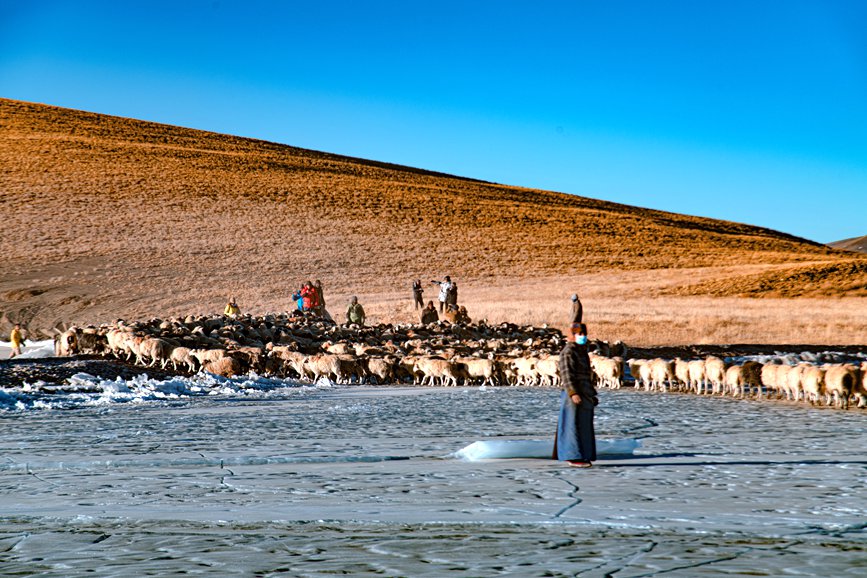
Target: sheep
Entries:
(180, 355)
(158, 350)
(477, 368)
(813, 384)
(735, 381)
(609, 371)
(715, 373)
(860, 391)
(661, 374)
(840, 381)
(382, 368)
(696, 375)
(769, 377)
(681, 373)
(634, 366)
(548, 370)
(793, 381)
(434, 368)
(525, 370)
(224, 366)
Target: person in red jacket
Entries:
(308, 294)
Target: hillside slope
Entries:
(858, 244)
(106, 216)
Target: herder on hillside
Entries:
(232, 310)
(576, 441)
(577, 315)
(417, 292)
(445, 289)
(355, 312)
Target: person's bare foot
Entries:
(580, 464)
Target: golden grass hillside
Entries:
(107, 217)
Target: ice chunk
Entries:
(500, 449)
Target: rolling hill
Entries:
(858, 244)
(107, 217)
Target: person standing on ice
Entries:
(445, 288)
(576, 441)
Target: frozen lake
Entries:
(317, 481)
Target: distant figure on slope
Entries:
(429, 314)
(232, 310)
(355, 312)
(16, 340)
(417, 293)
(575, 441)
(452, 297)
(577, 315)
(445, 287)
(320, 298)
(308, 294)
(299, 301)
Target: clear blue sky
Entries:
(753, 111)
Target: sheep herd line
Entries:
(309, 348)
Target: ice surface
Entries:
(502, 449)
(268, 477)
(30, 350)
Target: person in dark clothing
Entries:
(429, 314)
(452, 297)
(576, 441)
(417, 293)
(577, 310)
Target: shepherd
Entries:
(575, 441)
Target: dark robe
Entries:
(576, 439)
(577, 315)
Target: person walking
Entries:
(575, 441)
(355, 312)
(16, 340)
(417, 293)
(445, 287)
(577, 315)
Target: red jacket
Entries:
(308, 294)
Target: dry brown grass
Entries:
(107, 217)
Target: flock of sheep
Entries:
(814, 384)
(309, 348)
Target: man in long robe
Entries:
(576, 441)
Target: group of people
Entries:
(310, 297)
(448, 294)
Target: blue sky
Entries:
(750, 111)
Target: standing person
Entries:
(577, 315)
(307, 296)
(445, 287)
(576, 441)
(232, 310)
(320, 307)
(429, 314)
(355, 312)
(417, 293)
(299, 302)
(452, 297)
(16, 340)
